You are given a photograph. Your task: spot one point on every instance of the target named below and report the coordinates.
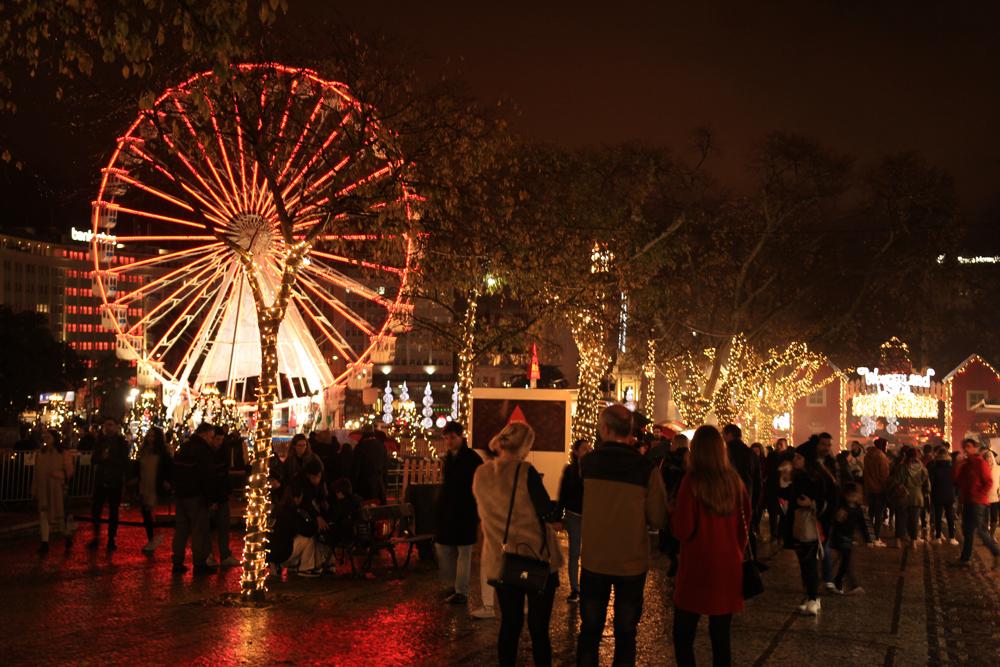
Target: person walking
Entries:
(942, 495)
(711, 519)
(193, 479)
(110, 460)
(623, 495)
(876, 475)
(908, 487)
(848, 520)
(154, 467)
(747, 464)
(53, 469)
(456, 526)
(516, 511)
(973, 481)
(804, 486)
(571, 504)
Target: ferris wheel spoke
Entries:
(297, 178)
(325, 327)
(204, 297)
(208, 189)
(167, 257)
(310, 217)
(222, 150)
(122, 175)
(301, 139)
(167, 278)
(293, 200)
(153, 216)
(170, 302)
(337, 305)
(182, 183)
(204, 153)
(357, 262)
(150, 239)
(346, 190)
(284, 116)
(200, 340)
(340, 280)
(240, 152)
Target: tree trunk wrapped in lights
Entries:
(649, 373)
(591, 337)
(467, 360)
(258, 492)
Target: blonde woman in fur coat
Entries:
(531, 533)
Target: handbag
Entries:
(517, 571)
(753, 583)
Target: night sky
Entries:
(863, 80)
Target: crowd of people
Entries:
(705, 497)
(312, 479)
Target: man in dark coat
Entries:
(368, 466)
(747, 465)
(194, 490)
(457, 519)
(110, 460)
(225, 455)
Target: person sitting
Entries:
(299, 455)
(316, 502)
(280, 544)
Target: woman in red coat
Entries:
(710, 519)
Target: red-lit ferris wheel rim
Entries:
(204, 260)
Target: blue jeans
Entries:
(455, 566)
(972, 525)
(573, 522)
(595, 592)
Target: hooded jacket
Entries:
(622, 497)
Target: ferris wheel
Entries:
(225, 176)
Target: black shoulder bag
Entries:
(524, 573)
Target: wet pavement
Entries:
(83, 607)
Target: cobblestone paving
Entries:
(82, 607)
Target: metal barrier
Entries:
(17, 470)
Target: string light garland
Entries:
(147, 411)
(466, 360)
(686, 376)
(649, 372)
(751, 390)
(901, 406)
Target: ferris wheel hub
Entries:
(253, 233)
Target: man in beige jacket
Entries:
(623, 495)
